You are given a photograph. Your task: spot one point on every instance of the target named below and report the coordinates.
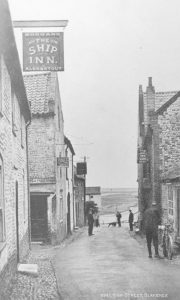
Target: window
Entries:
(170, 200)
(1, 202)
(22, 132)
(13, 99)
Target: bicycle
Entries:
(166, 240)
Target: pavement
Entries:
(43, 287)
(111, 264)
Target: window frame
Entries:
(170, 201)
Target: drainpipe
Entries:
(73, 190)
(28, 186)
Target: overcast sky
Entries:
(111, 46)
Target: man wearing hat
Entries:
(90, 222)
(151, 221)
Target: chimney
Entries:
(141, 111)
(150, 81)
(150, 97)
(140, 89)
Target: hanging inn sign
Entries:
(43, 51)
(63, 161)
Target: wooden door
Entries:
(39, 221)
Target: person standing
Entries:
(131, 220)
(151, 222)
(90, 222)
(118, 216)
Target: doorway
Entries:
(39, 219)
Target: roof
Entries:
(40, 92)
(9, 50)
(168, 103)
(161, 98)
(93, 190)
(68, 143)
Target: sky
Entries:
(110, 47)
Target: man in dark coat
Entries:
(90, 222)
(118, 216)
(151, 222)
(131, 220)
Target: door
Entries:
(17, 222)
(68, 214)
(39, 220)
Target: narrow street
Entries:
(112, 264)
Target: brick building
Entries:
(159, 153)
(14, 119)
(46, 145)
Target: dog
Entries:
(112, 224)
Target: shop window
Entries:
(170, 200)
(1, 202)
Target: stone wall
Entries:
(41, 144)
(14, 158)
(169, 127)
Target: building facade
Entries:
(14, 119)
(168, 118)
(46, 145)
(159, 154)
(93, 193)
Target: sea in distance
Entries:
(121, 199)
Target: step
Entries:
(28, 269)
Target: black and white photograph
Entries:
(89, 149)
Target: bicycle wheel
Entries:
(164, 246)
(169, 247)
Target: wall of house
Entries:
(169, 152)
(169, 127)
(96, 199)
(13, 155)
(69, 188)
(41, 146)
(61, 198)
